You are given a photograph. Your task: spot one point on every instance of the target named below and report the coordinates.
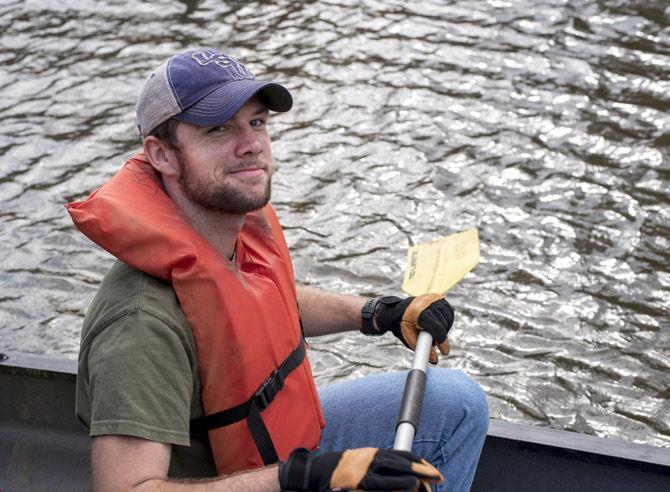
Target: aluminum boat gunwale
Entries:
(44, 447)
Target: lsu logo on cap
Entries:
(224, 61)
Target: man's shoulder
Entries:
(125, 290)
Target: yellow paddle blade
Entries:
(438, 265)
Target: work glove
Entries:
(356, 469)
(406, 317)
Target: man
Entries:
(192, 360)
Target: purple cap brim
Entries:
(225, 101)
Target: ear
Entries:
(161, 156)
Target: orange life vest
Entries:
(244, 317)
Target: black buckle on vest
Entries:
(268, 390)
(252, 408)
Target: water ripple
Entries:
(544, 124)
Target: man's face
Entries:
(227, 168)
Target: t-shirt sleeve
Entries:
(139, 380)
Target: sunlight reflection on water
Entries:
(545, 125)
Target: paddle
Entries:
(431, 267)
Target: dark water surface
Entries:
(543, 124)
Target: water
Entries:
(543, 124)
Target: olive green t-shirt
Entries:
(138, 370)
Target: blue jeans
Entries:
(452, 427)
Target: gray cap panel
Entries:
(156, 102)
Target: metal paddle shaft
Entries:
(435, 266)
(412, 398)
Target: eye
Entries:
(218, 129)
(258, 122)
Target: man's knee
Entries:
(477, 406)
(461, 396)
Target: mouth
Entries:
(248, 171)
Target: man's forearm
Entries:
(124, 463)
(325, 312)
(263, 480)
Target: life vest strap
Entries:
(252, 408)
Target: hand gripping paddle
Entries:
(435, 266)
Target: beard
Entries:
(222, 197)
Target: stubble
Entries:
(221, 197)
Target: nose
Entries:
(249, 143)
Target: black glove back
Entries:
(406, 317)
(362, 469)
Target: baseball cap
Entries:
(203, 87)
